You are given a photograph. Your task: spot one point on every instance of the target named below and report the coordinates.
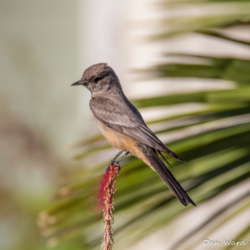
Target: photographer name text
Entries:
(229, 242)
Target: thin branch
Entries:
(108, 220)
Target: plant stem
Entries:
(108, 220)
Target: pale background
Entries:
(44, 47)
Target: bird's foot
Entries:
(115, 163)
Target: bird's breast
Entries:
(122, 142)
(116, 139)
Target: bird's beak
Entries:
(80, 82)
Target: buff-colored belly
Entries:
(122, 142)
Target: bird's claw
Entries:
(117, 165)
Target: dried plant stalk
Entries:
(108, 220)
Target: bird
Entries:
(123, 125)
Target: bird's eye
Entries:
(97, 79)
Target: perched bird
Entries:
(123, 126)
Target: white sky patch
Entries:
(169, 86)
(154, 113)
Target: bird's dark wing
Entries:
(123, 117)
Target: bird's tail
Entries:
(167, 176)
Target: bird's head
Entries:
(100, 78)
